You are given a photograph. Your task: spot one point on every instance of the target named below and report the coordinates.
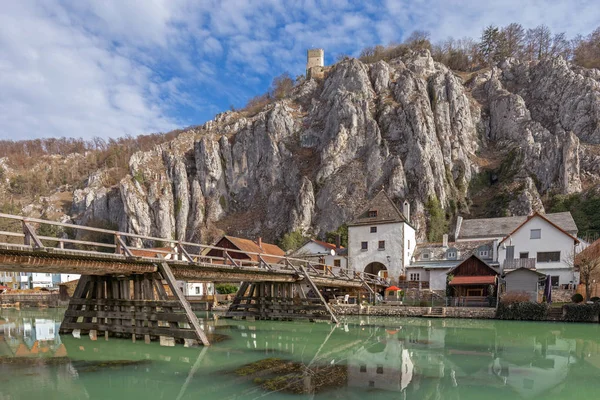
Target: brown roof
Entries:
(473, 280)
(151, 253)
(387, 212)
(329, 246)
(542, 216)
(250, 246)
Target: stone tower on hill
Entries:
(315, 59)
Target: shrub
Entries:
(595, 299)
(226, 288)
(577, 298)
(581, 312)
(515, 297)
(522, 311)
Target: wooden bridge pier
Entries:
(133, 306)
(280, 301)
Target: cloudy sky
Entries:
(114, 67)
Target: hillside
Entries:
(506, 140)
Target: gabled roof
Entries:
(524, 269)
(328, 246)
(502, 227)
(250, 246)
(152, 252)
(387, 212)
(545, 218)
(477, 258)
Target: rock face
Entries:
(411, 126)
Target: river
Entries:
(362, 357)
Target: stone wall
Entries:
(406, 311)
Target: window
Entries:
(535, 234)
(373, 214)
(371, 383)
(524, 254)
(425, 256)
(337, 263)
(373, 229)
(548, 256)
(451, 254)
(197, 289)
(364, 245)
(381, 245)
(483, 253)
(379, 369)
(363, 368)
(416, 276)
(554, 281)
(409, 244)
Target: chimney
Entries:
(459, 221)
(338, 241)
(406, 210)
(445, 240)
(259, 242)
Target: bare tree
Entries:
(514, 39)
(538, 42)
(588, 262)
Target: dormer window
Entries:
(425, 256)
(373, 214)
(483, 252)
(451, 254)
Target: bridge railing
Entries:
(44, 234)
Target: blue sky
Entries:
(114, 67)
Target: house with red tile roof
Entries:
(323, 253)
(247, 250)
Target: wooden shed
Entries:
(524, 280)
(473, 277)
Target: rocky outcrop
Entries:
(411, 126)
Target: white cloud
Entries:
(115, 67)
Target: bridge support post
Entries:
(278, 301)
(132, 306)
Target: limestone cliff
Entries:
(412, 126)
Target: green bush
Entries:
(522, 311)
(225, 288)
(581, 312)
(595, 299)
(577, 298)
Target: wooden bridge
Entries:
(122, 290)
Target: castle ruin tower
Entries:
(314, 58)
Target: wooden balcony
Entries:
(519, 263)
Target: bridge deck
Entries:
(21, 258)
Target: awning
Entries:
(395, 288)
(473, 280)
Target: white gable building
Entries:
(381, 239)
(323, 253)
(545, 242)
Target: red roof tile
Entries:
(326, 245)
(249, 246)
(473, 280)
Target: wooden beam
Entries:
(316, 290)
(31, 237)
(166, 273)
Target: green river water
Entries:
(361, 358)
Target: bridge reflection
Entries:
(416, 358)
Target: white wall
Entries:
(437, 278)
(41, 279)
(410, 243)
(394, 247)
(312, 249)
(552, 239)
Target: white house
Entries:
(323, 252)
(545, 242)
(381, 239)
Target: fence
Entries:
(132, 245)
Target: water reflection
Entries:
(413, 358)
